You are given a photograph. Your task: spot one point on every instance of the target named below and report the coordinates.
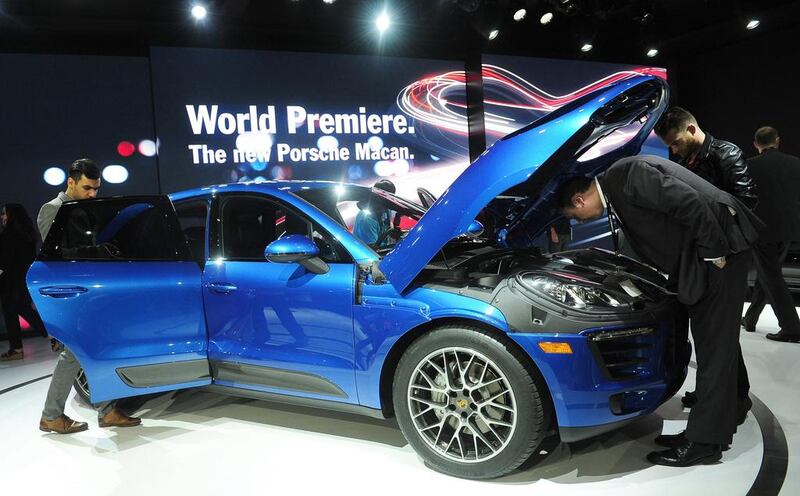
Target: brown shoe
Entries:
(12, 355)
(62, 425)
(115, 418)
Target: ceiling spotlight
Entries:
(652, 52)
(199, 12)
(383, 22)
(546, 18)
(753, 23)
(328, 1)
(520, 14)
(493, 33)
(586, 47)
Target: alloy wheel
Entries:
(462, 405)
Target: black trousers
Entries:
(715, 328)
(742, 379)
(771, 287)
(16, 301)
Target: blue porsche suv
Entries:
(479, 344)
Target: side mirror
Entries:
(296, 248)
(290, 249)
(474, 230)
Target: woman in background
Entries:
(17, 252)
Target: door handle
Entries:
(62, 291)
(222, 287)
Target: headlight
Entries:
(570, 293)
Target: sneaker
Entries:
(12, 355)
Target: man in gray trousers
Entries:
(82, 184)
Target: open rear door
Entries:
(115, 283)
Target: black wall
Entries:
(735, 89)
(57, 108)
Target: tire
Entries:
(81, 386)
(481, 431)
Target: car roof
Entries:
(261, 186)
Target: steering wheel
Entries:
(397, 232)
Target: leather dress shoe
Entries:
(115, 418)
(686, 454)
(786, 337)
(674, 440)
(689, 399)
(747, 326)
(62, 425)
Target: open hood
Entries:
(523, 169)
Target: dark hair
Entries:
(674, 119)
(766, 136)
(571, 187)
(84, 167)
(19, 223)
(385, 185)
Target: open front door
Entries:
(115, 283)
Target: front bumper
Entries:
(608, 381)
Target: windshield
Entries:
(376, 217)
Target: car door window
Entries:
(116, 229)
(193, 216)
(250, 223)
(344, 203)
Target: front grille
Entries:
(624, 353)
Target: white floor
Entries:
(201, 443)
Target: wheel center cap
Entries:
(462, 403)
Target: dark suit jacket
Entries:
(777, 177)
(674, 219)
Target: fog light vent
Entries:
(623, 353)
(628, 402)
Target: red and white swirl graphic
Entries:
(510, 101)
(438, 100)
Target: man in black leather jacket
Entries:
(722, 164)
(719, 162)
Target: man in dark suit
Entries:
(701, 237)
(777, 176)
(722, 164)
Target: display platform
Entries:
(195, 442)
